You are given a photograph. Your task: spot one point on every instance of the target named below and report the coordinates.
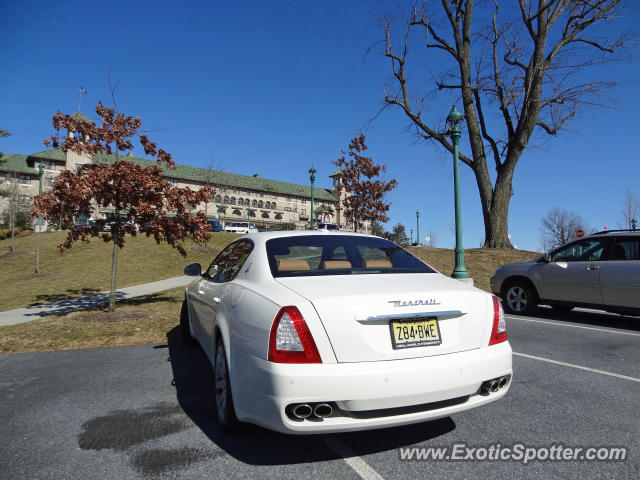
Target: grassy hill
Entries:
(86, 269)
(142, 320)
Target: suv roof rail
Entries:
(615, 231)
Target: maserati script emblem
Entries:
(413, 303)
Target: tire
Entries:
(224, 399)
(185, 329)
(519, 298)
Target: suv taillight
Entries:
(499, 329)
(290, 340)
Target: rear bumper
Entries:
(364, 392)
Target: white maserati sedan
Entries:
(312, 331)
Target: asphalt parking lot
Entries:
(147, 412)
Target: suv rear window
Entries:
(315, 255)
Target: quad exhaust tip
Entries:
(313, 411)
(494, 385)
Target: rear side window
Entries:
(626, 248)
(317, 255)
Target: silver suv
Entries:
(600, 271)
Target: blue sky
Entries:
(272, 87)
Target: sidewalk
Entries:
(22, 315)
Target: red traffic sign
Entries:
(580, 233)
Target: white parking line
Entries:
(560, 324)
(361, 467)
(580, 367)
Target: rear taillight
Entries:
(290, 340)
(499, 330)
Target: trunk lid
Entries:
(356, 312)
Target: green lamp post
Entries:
(634, 224)
(453, 121)
(418, 227)
(312, 177)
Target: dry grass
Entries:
(480, 263)
(137, 321)
(86, 269)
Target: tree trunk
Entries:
(114, 264)
(495, 203)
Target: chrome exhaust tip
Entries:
(490, 386)
(502, 382)
(322, 410)
(302, 411)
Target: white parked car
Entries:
(328, 226)
(309, 332)
(241, 227)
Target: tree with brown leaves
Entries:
(142, 200)
(366, 201)
(518, 70)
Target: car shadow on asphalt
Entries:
(193, 380)
(595, 318)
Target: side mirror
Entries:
(193, 270)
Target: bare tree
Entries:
(630, 209)
(10, 189)
(559, 226)
(520, 72)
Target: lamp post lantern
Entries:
(634, 224)
(418, 227)
(39, 227)
(312, 177)
(453, 121)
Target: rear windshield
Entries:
(314, 255)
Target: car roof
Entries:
(264, 236)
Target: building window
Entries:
(267, 205)
(254, 204)
(173, 181)
(226, 199)
(25, 178)
(315, 201)
(303, 211)
(252, 213)
(304, 200)
(265, 215)
(287, 209)
(260, 204)
(48, 182)
(236, 211)
(218, 199)
(262, 194)
(24, 199)
(240, 201)
(233, 200)
(273, 205)
(49, 165)
(278, 216)
(288, 198)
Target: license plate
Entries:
(418, 332)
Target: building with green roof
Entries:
(269, 203)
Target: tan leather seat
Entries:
(331, 264)
(377, 264)
(292, 265)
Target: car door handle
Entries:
(593, 267)
(216, 300)
(200, 292)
